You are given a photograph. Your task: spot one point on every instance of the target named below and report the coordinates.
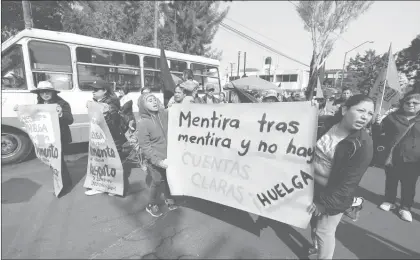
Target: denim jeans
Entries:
(159, 184)
(323, 231)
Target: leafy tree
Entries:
(326, 20)
(126, 21)
(193, 24)
(408, 61)
(45, 15)
(363, 70)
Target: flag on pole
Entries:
(167, 79)
(387, 90)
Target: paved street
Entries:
(35, 224)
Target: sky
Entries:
(385, 22)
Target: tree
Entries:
(45, 14)
(408, 61)
(125, 21)
(326, 20)
(363, 70)
(193, 24)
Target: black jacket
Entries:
(65, 120)
(127, 115)
(352, 158)
(393, 126)
(113, 120)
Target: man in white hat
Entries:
(270, 96)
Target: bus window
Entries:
(98, 56)
(151, 63)
(42, 58)
(117, 68)
(205, 74)
(87, 74)
(54, 68)
(13, 70)
(177, 66)
(153, 80)
(152, 77)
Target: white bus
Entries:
(71, 62)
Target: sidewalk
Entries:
(99, 227)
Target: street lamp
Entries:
(344, 62)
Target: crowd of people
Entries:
(344, 148)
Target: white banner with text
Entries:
(254, 157)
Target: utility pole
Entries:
(27, 14)
(174, 25)
(231, 69)
(156, 23)
(239, 61)
(244, 64)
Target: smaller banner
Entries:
(104, 169)
(41, 124)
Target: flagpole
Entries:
(386, 76)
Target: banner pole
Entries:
(386, 77)
(383, 93)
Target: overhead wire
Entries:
(244, 35)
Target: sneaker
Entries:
(93, 192)
(405, 215)
(112, 194)
(312, 251)
(386, 206)
(171, 204)
(154, 210)
(354, 211)
(357, 201)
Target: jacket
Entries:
(393, 126)
(127, 115)
(213, 98)
(65, 120)
(113, 120)
(352, 158)
(152, 133)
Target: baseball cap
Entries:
(100, 84)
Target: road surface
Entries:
(35, 224)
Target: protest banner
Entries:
(104, 169)
(41, 124)
(253, 157)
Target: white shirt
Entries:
(324, 155)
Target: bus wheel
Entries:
(16, 146)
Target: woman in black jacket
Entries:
(126, 111)
(343, 153)
(46, 94)
(404, 163)
(103, 93)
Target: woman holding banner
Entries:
(343, 153)
(402, 137)
(152, 136)
(46, 94)
(103, 93)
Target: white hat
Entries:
(44, 85)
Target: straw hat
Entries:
(44, 86)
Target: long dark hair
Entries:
(351, 102)
(40, 100)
